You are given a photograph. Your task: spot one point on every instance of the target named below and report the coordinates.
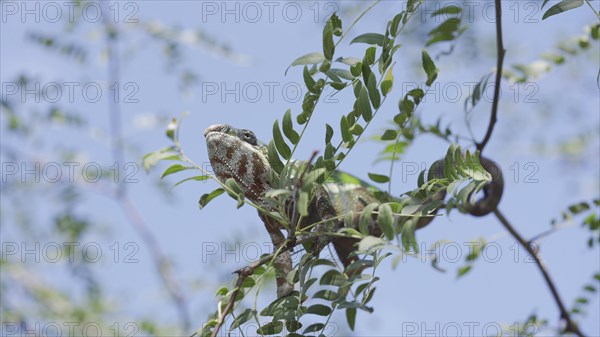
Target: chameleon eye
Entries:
(249, 137)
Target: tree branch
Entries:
(571, 326)
(244, 272)
(500, 62)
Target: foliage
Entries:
(324, 286)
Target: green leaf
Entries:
(373, 91)
(222, 291)
(174, 169)
(206, 198)
(242, 318)
(595, 32)
(328, 133)
(477, 91)
(302, 203)
(314, 328)
(319, 309)
(233, 186)
(152, 158)
(326, 294)
(270, 328)
(291, 326)
(366, 218)
(288, 128)
(248, 282)
(172, 129)
(429, 68)
(452, 10)
(407, 106)
(274, 160)
(389, 135)
(379, 178)
(447, 27)
(395, 24)
(333, 278)
(357, 129)
(364, 106)
(328, 45)
(462, 271)
(562, 6)
(369, 38)
(336, 23)
(345, 129)
(280, 144)
(356, 69)
(343, 73)
(369, 242)
(197, 178)
(310, 58)
(308, 284)
(369, 58)
(350, 61)
(324, 67)
(446, 31)
(385, 219)
(409, 242)
(388, 82)
(309, 81)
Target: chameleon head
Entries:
(236, 153)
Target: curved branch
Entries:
(500, 62)
(571, 326)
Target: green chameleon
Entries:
(237, 154)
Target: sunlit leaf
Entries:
(562, 6)
(280, 144)
(174, 169)
(206, 198)
(385, 219)
(369, 38)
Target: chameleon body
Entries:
(237, 154)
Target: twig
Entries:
(552, 230)
(501, 51)
(243, 273)
(564, 313)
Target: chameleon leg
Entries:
(283, 261)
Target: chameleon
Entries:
(237, 154)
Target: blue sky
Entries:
(500, 290)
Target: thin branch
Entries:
(552, 230)
(356, 20)
(135, 219)
(593, 9)
(501, 51)
(571, 326)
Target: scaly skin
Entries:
(236, 153)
